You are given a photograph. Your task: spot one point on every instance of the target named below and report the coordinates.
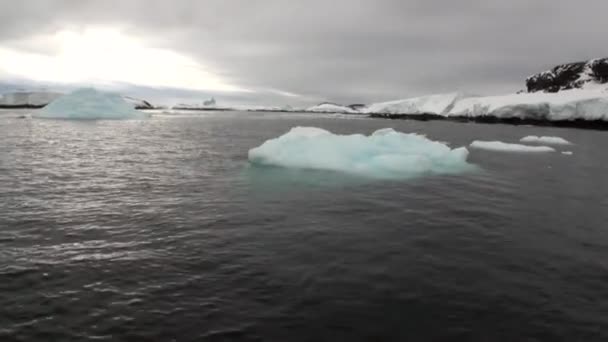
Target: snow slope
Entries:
(384, 154)
(438, 104)
(566, 105)
(331, 108)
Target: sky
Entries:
(293, 51)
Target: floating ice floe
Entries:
(89, 104)
(545, 140)
(383, 154)
(506, 147)
(568, 153)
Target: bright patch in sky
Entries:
(105, 55)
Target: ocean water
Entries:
(160, 230)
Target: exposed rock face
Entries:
(570, 76)
(138, 103)
(356, 106)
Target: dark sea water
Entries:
(159, 230)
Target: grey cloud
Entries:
(347, 51)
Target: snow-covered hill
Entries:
(566, 93)
(331, 108)
(592, 74)
(566, 105)
(438, 104)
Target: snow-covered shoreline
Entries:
(569, 95)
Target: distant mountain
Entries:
(579, 75)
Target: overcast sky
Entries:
(292, 51)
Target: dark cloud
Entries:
(344, 50)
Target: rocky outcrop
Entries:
(138, 103)
(577, 75)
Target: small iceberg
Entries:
(383, 154)
(89, 104)
(545, 140)
(506, 147)
(567, 153)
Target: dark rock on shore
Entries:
(487, 119)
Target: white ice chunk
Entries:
(384, 154)
(568, 153)
(91, 104)
(545, 140)
(506, 147)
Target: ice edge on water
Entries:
(500, 146)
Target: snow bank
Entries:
(23, 98)
(565, 105)
(505, 147)
(545, 140)
(438, 104)
(88, 103)
(384, 154)
(260, 108)
(331, 108)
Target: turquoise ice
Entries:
(89, 104)
(384, 154)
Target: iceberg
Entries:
(384, 154)
(545, 140)
(500, 146)
(89, 104)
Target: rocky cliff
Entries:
(577, 75)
